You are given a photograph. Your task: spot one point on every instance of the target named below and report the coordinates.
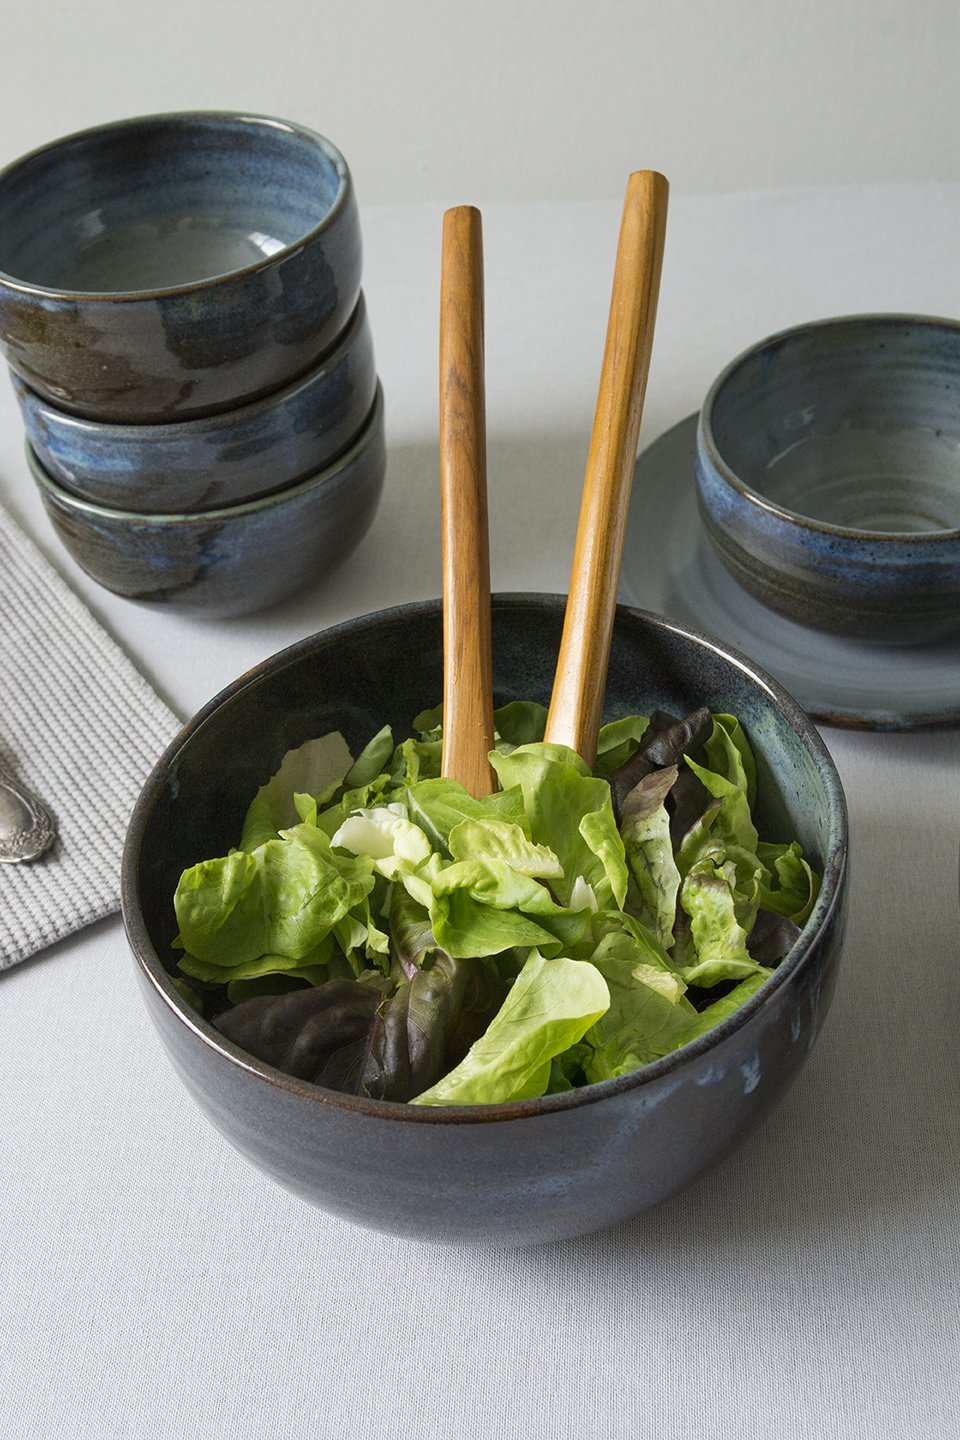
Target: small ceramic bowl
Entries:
(234, 560)
(828, 480)
(217, 460)
(175, 265)
(528, 1171)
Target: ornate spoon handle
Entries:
(26, 826)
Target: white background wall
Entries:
(503, 99)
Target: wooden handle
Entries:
(577, 701)
(467, 652)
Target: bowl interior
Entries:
(385, 668)
(163, 202)
(854, 423)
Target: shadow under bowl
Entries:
(175, 265)
(232, 561)
(528, 1171)
(218, 460)
(827, 476)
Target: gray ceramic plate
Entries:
(669, 567)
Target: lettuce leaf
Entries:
(521, 722)
(645, 829)
(666, 740)
(439, 805)
(709, 897)
(317, 1034)
(284, 898)
(571, 813)
(792, 888)
(551, 1004)
(316, 768)
(649, 1015)
(617, 741)
(429, 1022)
(718, 1010)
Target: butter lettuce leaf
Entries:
(437, 806)
(649, 1015)
(550, 1006)
(728, 753)
(617, 741)
(521, 722)
(571, 813)
(708, 895)
(466, 926)
(284, 898)
(790, 886)
(316, 768)
(718, 1010)
(505, 844)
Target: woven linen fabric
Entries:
(80, 726)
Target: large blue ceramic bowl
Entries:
(234, 560)
(828, 480)
(216, 460)
(175, 265)
(528, 1171)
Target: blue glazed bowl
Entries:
(529, 1171)
(217, 460)
(827, 475)
(175, 265)
(235, 560)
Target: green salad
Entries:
(379, 931)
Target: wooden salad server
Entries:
(576, 704)
(467, 648)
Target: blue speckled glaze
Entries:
(235, 560)
(175, 265)
(206, 463)
(828, 480)
(537, 1170)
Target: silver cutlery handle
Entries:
(27, 829)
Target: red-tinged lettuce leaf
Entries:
(771, 937)
(317, 1034)
(428, 1025)
(665, 741)
(686, 804)
(645, 828)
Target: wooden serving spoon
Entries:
(576, 704)
(467, 650)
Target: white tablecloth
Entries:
(155, 1285)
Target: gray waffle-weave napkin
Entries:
(82, 728)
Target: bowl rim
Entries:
(78, 505)
(708, 449)
(191, 426)
(796, 959)
(182, 119)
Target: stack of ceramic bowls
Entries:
(180, 306)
